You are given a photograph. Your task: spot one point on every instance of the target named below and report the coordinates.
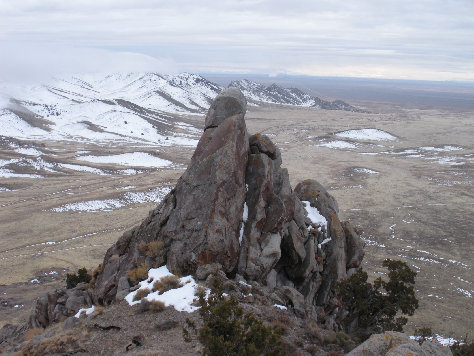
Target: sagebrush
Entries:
(227, 330)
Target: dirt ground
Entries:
(412, 203)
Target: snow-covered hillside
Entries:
(275, 94)
(129, 107)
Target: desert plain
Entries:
(410, 193)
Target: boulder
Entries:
(58, 305)
(228, 103)
(393, 343)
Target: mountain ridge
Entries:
(141, 107)
(275, 94)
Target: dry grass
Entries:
(32, 333)
(141, 293)
(167, 283)
(138, 274)
(151, 249)
(154, 306)
(313, 332)
(99, 310)
(57, 345)
(282, 321)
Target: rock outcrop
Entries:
(393, 343)
(234, 208)
(58, 305)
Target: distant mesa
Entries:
(233, 214)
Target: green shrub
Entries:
(423, 334)
(226, 330)
(464, 348)
(73, 279)
(376, 305)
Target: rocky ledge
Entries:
(234, 213)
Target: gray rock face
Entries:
(199, 220)
(205, 223)
(228, 103)
(345, 249)
(393, 343)
(58, 305)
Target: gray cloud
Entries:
(28, 62)
(426, 39)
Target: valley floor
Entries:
(411, 193)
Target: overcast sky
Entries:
(410, 39)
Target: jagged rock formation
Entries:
(234, 208)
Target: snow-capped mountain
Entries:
(144, 107)
(275, 94)
(130, 107)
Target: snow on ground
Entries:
(365, 170)
(245, 216)
(443, 340)
(7, 173)
(188, 127)
(450, 161)
(338, 144)
(14, 126)
(324, 242)
(90, 206)
(81, 168)
(28, 151)
(180, 298)
(179, 140)
(153, 196)
(88, 311)
(38, 164)
(134, 159)
(314, 215)
(441, 149)
(4, 162)
(129, 171)
(367, 134)
(4, 189)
